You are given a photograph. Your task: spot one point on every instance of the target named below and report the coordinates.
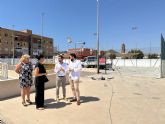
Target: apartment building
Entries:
(24, 42)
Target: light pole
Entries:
(79, 42)
(13, 43)
(69, 40)
(134, 29)
(42, 25)
(98, 36)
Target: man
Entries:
(60, 70)
(74, 76)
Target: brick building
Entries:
(24, 42)
(84, 52)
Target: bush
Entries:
(153, 56)
(136, 54)
(112, 56)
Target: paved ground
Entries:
(121, 100)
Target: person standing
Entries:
(24, 69)
(60, 70)
(74, 77)
(40, 75)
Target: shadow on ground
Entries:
(51, 104)
(85, 99)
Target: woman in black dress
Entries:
(40, 73)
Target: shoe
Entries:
(73, 100)
(24, 104)
(57, 99)
(40, 108)
(64, 98)
(28, 101)
(78, 102)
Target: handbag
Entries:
(45, 79)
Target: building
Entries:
(24, 42)
(84, 52)
(122, 48)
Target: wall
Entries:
(10, 88)
(137, 62)
(117, 62)
(163, 69)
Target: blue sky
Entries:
(77, 18)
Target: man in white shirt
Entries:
(60, 70)
(74, 76)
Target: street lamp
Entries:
(69, 40)
(97, 36)
(134, 29)
(42, 18)
(79, 42)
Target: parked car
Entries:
(91, 61)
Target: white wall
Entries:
(10, 88)
(137, 62)
(117, 62)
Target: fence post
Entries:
(5, 70)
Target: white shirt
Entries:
(76, 67)
(58, 68)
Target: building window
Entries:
(6, 49)
(16, 38)
(6, 34)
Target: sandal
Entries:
(73, 100)
(24, 104)
(28, 101)
(78, 102)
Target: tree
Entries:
(153, 56)
(111, 55)
(136, 54)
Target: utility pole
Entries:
(97, 36)
(42, 16)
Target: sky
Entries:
(77, 19)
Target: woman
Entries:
(40, 75)
(24, 69)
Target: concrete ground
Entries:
(120, 100)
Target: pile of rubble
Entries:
(100, 77)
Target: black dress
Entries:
(39, 86)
